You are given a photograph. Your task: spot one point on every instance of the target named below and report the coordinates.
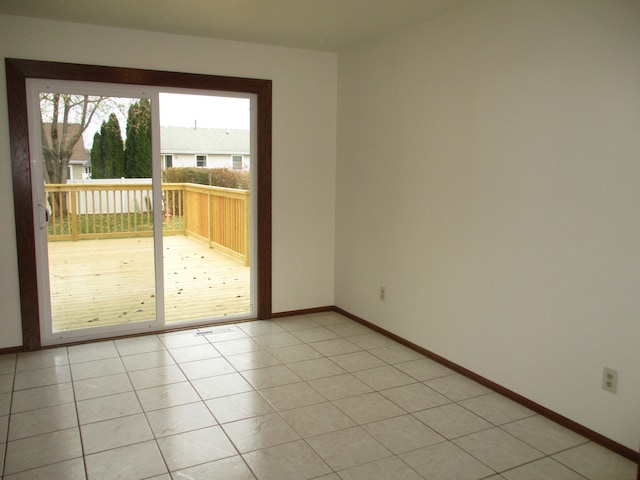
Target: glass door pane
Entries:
(143, 206)
(205, 144)
(93, 186)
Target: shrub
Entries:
(217, 177)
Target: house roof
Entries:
(203, 141)
(79, 152)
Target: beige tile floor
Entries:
(307, 397)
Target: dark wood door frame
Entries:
(18, 71)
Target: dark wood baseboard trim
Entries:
(536, 407)
(306, 311)
(550, 414)
(4, 351)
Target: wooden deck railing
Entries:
(218, 216)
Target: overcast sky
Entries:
(178, 110)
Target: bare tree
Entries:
(64, 118)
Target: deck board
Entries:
(107, 282)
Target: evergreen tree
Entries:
(138, 143)
(97, 157)
(107, 152)
(113, 147)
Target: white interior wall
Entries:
(304, 144)
(488, 172)
(489, 177)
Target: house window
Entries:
(237, 162)
(168, 161)
(201, 160)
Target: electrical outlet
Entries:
(383, 294)
(609, 380)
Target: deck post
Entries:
(247, 229)
(73, 213)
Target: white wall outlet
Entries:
(609, 380)
(383, 294)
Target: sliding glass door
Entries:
(142, 205)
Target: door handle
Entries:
(45, 216)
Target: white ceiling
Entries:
(331, 25)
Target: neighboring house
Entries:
(79, 167)
(204, 147)
(179, 147)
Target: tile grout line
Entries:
(356, 424)
(75, 405)
(281, 416)
(446, 440)
(135, 391)
(302, 438)
(6, 443)
(269, 347)
(219, 425)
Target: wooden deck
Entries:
(107, 282)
